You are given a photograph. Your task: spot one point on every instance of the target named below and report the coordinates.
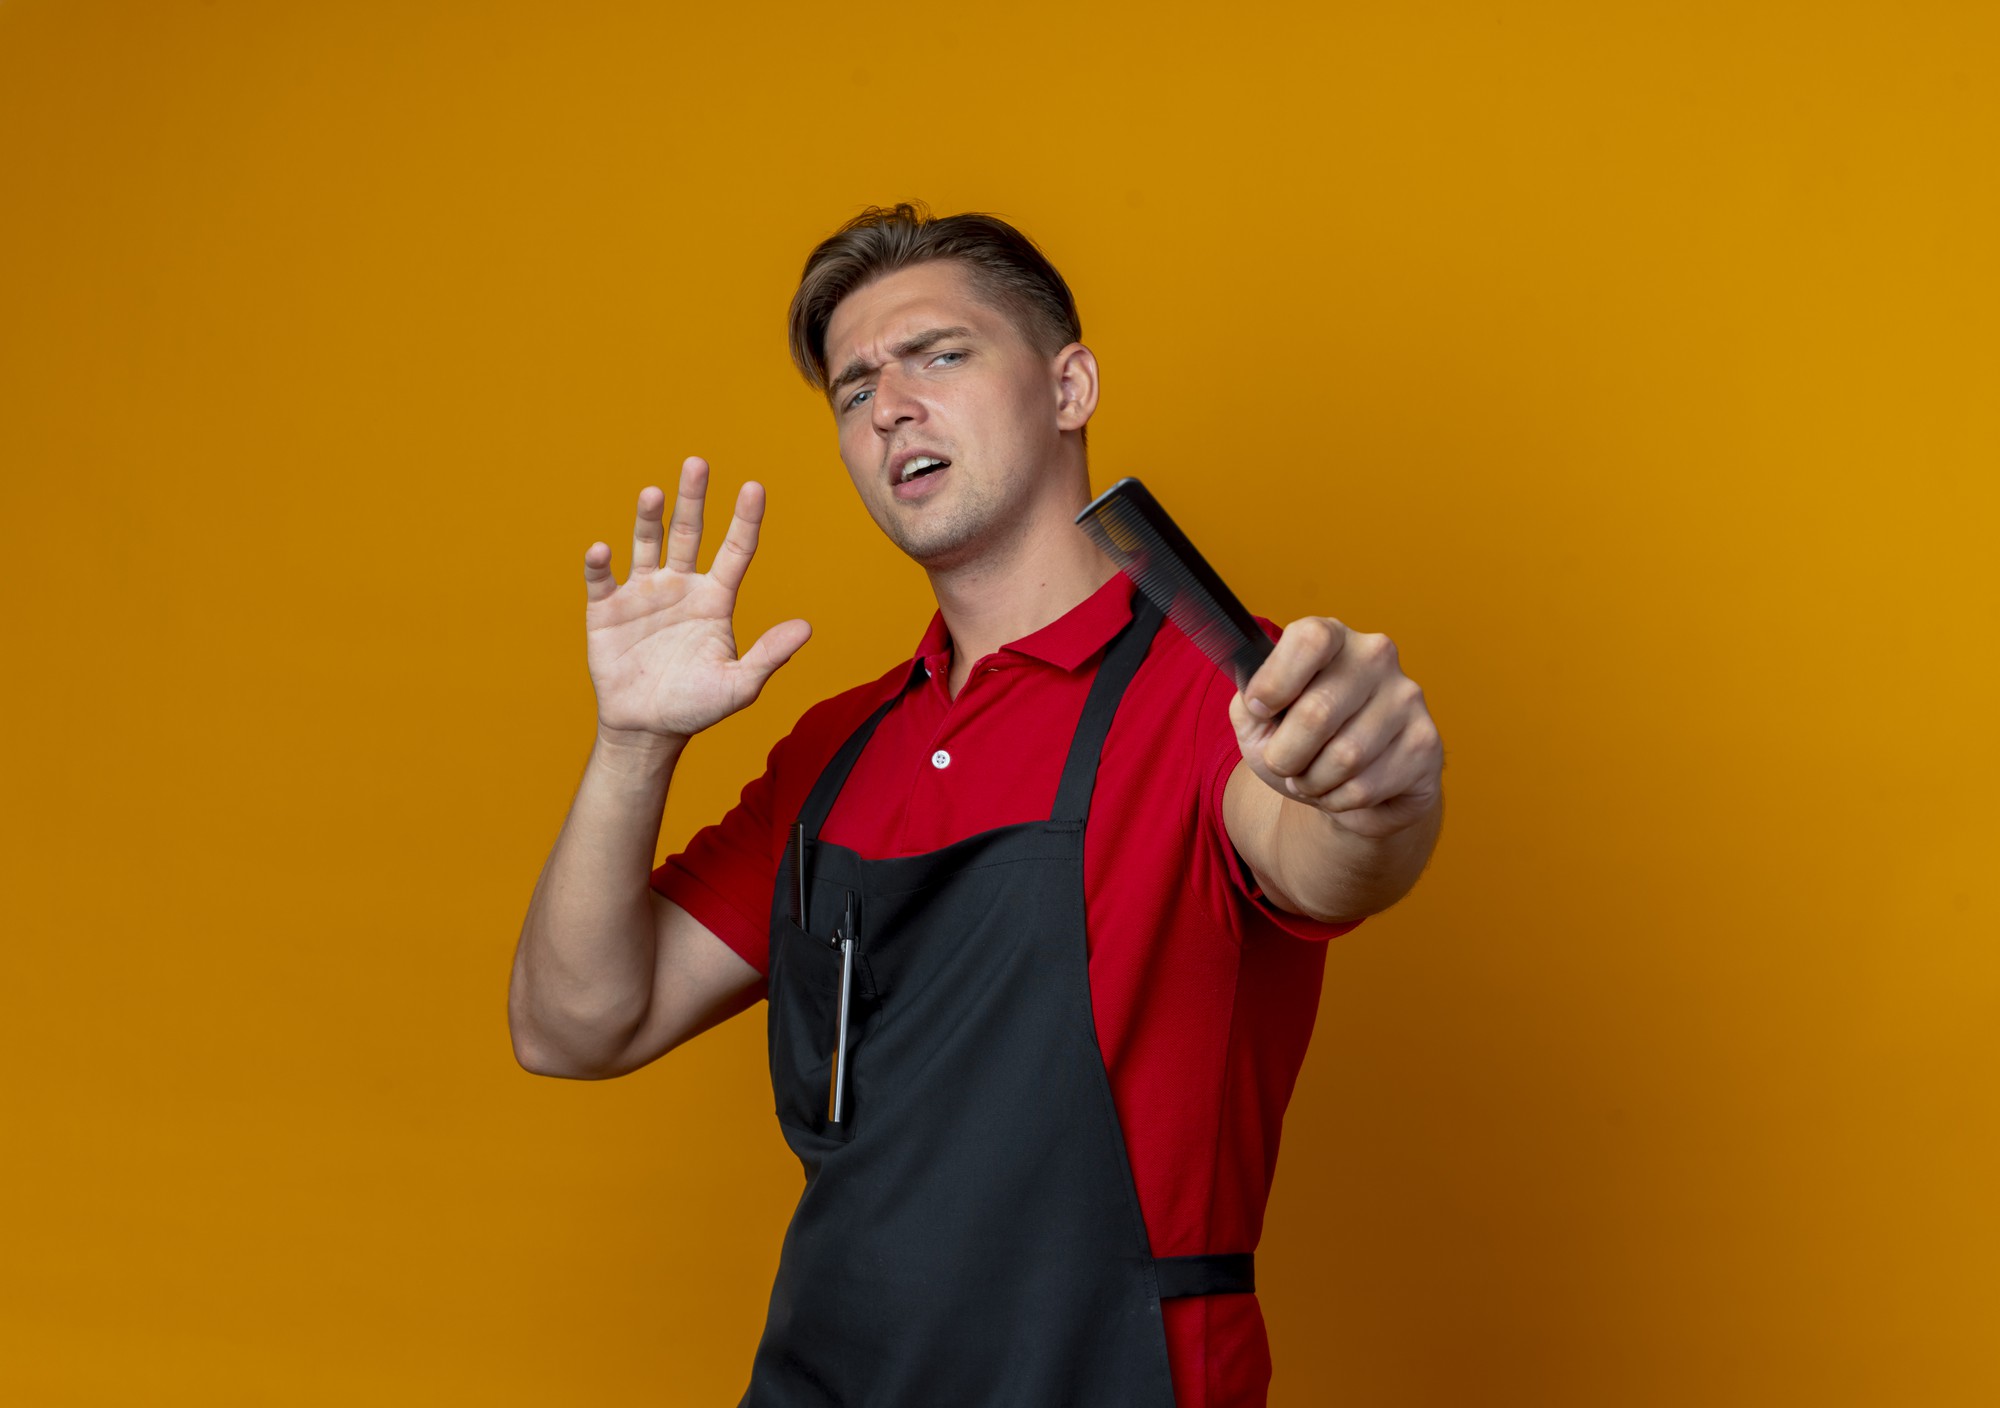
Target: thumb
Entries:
(775, 647)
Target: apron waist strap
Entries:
(1221, 1274)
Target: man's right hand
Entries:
(661, 648)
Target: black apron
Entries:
(969, 1231)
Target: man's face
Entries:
(942, 373)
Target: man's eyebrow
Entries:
(909, 347)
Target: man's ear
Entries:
(1074, 373)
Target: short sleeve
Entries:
(726, 874)
(1217, 753)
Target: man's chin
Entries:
(954, 546)
(938, 538)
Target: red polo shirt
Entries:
(1204, 993)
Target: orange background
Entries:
(1634, 367)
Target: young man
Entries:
(1044, 949)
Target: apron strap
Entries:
(1121, 661)
(819, 803)
(1222, 1274)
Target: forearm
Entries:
(583, 968)
(1334, 874)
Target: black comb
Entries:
(1129, 524)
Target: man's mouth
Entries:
(920, 466)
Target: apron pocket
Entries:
(805, 1008)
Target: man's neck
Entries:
(988, 603)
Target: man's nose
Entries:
(895, 400)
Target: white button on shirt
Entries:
(940, 759)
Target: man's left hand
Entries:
(1353, 739)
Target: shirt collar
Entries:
(1066, 642)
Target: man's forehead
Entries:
(901, 304)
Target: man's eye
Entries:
(942, 355)
(855, 399)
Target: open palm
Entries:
(661, 646)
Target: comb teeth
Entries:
(1136, 533)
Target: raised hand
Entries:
(661, 647)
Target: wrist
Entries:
(637, 749)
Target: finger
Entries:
(1304, 648)
(1311, 720)
(684, 536)
(739, 545)
(1251, 731)
(646, 532)
(775, 647)
(1395, 770)
(598, 583)
(1355, 745)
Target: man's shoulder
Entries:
(825, 725)
(1175, 666)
